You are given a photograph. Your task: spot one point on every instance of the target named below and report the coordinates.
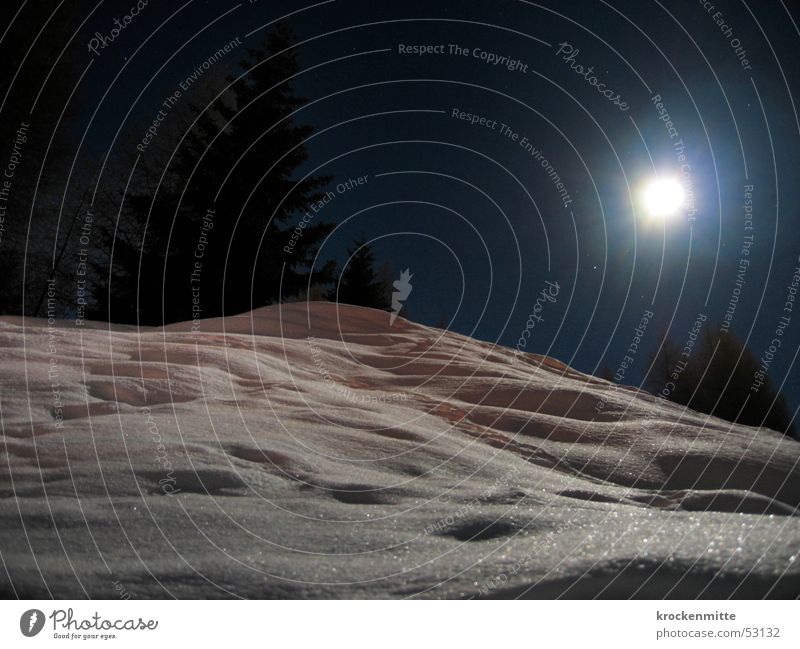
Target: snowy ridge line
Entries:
(489, 478)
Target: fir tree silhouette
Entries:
(718, 379)
(240, 160)
(360, 284)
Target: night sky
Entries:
(545, 187)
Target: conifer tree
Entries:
(717, 378)
(233, 196)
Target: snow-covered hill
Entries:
(315, 451)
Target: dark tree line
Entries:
(38, 205)
(360, 283)
(207, 219)
(228, 228)
(718, 379)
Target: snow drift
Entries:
(310, 450)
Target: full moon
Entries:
(663, 197)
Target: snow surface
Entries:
(315, 451)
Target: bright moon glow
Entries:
(663, 197)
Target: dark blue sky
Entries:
(476, 217)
